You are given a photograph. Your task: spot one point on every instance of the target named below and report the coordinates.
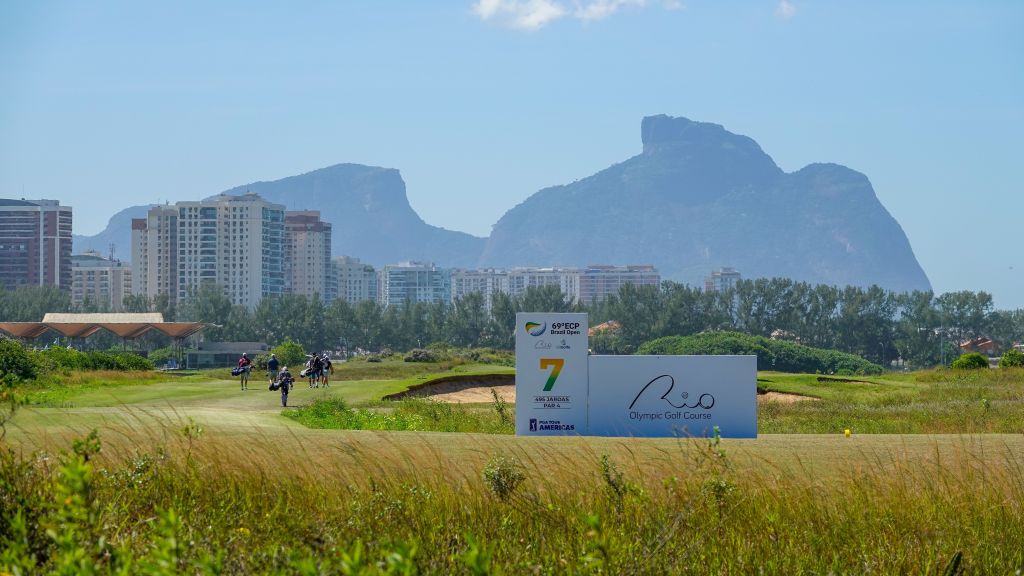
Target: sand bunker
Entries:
(476, 388)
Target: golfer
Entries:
(244, 366)
(272, 365)
(285, 382)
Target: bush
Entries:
(160, 356)
(502, 476)
(289, 353)
(971, 361)
(15, 360)
(1012, 358)
(57, 358)
(420, 355)
(775, 355)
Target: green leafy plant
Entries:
(503, 475)
(1012, 358)
(970, 361)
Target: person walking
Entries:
(285, 382)
(315, 367)
(244, 366)
(325, 369)
(272, 365)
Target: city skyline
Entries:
(482, 104)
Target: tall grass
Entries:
(175, 499)
(410, 414)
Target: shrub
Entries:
(1012, 358)
(775, 355)
(58, 358)
(17, 361)
(160, 356)
(420, 355)
(289, 353)
(502, 476)
(970, 361)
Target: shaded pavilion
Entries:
(128, 326)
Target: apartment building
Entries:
(352, 280)
(600, 281)
(307, 254)
(487, 282)
(567, 280)
(414, 282)
(721, 280)
(588, 285)
(236, 242)
(99, 281)
(155, 254)
(35, 243)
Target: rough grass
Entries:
(411, 414)
(169, 497)
(930, 402)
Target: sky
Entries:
(479, 104)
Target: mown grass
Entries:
(184, 500)
(59, 389)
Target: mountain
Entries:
(367, 206)
(699, 197)
(370, 215)
(118, 232)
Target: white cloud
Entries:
(534, 14)
(786, 9)
(601, 9)
(525, 14)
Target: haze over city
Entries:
(479, 105)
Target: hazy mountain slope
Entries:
(699, 197)
(118, 232)
(370, 214)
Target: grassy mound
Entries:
(771, 354)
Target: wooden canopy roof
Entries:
(125, 325)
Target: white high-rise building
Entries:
(414, 282)
(307, 254)
(487, 282)
(586, 285)
(600, 281)
(353, 281)
(567, 280)
(721, 280)
(235, 242)
(155, 254)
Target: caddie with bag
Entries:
(284, 383)
(243, 368)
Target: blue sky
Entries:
(480, 104)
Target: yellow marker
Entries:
(846, 432)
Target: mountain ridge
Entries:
(697, 197)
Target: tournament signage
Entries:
(673, 396)
(551, 374)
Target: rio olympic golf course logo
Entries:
(535, 329)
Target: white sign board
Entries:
(551, 374)
(673, 396)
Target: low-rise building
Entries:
(99, 281)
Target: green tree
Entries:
(1012, 358)
(468, 321)
(290, 353)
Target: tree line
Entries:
(920, 328)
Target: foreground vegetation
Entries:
(363, 503)
(191, 475)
